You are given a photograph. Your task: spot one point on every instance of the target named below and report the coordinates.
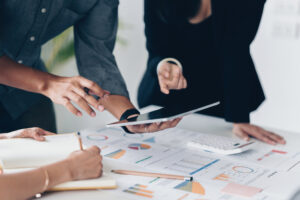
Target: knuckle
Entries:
(77, 99)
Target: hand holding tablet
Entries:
(161, 115)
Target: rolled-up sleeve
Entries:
(95, 37)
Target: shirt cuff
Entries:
(169, 60)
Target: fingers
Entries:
(175, 122)
(260, 134)
(165, 70)
(163, 85)
(276, 138)
(82, 103)
(241, 134)
(154, 127)
(180, 83)
(95, 88)
(170, 77)
(44, 132)
(94, 149)
(89, 99)
(243, 130)
(67, 103)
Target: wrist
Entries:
(116, 104)
(48, 82)
(67, 166)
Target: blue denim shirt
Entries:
(26, 25)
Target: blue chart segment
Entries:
(150, 140)
(192, 164)
(136, 136)
(97, 137)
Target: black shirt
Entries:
(215, 55)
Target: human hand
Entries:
(85, 164)
(245, 130)
(170, 77)
(154, 127)
(64, 90)
(34, 133)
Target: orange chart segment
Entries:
(138, 146)
(116, 154)
(222, 177)
(193, 187)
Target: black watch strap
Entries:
(126, 114)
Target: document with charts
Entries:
(166, 152)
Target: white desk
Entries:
(194, 122)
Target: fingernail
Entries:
(93, 114)
(100, 108)
(79, 114)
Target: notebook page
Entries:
(28, 153)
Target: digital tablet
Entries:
(161, 115)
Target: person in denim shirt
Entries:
(24, 27)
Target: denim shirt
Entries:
(26, 25)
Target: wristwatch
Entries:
(126, 114)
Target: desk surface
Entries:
(198, 123)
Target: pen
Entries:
(149, 174)
(80, 141)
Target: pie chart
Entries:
(138, 146)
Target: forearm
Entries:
(27, 184)
(22, 77)
(116, 104)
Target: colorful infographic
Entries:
(191, 186)
(138, 146)
(140, 190)
(116, 154)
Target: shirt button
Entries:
(43, 10)
(20, 61)
(32, 38)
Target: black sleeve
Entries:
(157, 33)
(157, 44)
(242, 90)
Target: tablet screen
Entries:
(162, 114)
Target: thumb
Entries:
(38, 137)
(241, 134)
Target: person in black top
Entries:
(199, 53)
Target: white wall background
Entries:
(275, 51)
